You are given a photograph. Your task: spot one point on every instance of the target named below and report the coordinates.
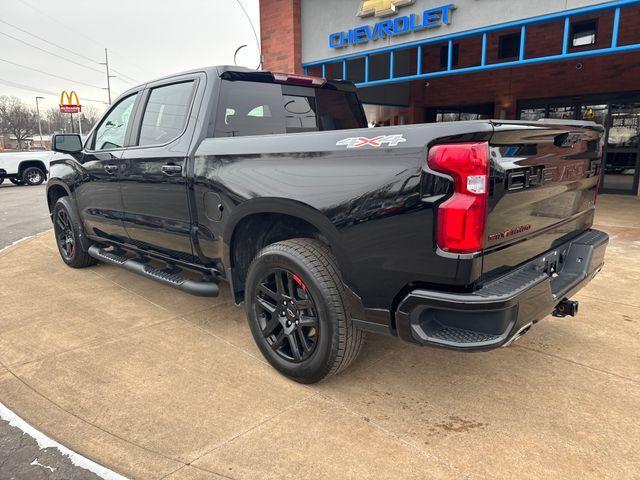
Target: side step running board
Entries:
(199, 289)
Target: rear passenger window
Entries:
(254, 108)
(250, 108)
(166, 113)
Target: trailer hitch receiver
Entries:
(566, 308)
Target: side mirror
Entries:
(66, 143)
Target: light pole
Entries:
(38, 114)
(255, 34)
(109, 77)
(235, 54)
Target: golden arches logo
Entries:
(69, 102)
(382, 8)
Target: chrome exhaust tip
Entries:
(519, 334)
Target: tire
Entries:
(33, 176)
(1, 180)
(16, 181)
(72, 244)
(314, 295)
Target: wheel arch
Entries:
(55, 191)
(261, 222)
(23, 165)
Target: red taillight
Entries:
(462, 218)
(298, 79)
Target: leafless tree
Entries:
(57, 122)
(17, 119)
(89, 116)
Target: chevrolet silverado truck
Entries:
(25, 168)
(459, 235)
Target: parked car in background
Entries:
(26, 168)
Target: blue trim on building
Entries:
(616, 28)
(484, 66)
(567, 31)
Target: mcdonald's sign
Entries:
(69, 102)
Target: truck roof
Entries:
(233, 72)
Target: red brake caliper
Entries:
(299, 282)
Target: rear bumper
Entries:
(502, 310)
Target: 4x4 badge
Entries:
(376, 142)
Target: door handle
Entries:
(171, 169)
(111, 168)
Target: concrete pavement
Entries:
(157, 384)
(23, 212)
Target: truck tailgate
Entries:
(543, 189)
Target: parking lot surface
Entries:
(23, 212)
(153, 383)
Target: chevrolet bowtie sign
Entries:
(401, 25)
(382, 8)
(69, 102)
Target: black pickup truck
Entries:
(459, 235)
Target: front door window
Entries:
(112, 131)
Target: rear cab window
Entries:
(260, 108)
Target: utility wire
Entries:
(76, 32)
(22, 86)
(50, 74)
(51, 53)
(48, 41)
(124, 78)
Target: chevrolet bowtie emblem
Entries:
(382, 8)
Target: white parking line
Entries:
(46, 442)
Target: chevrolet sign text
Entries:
(432, 18)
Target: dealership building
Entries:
(418, 61)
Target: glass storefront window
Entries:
(562, 113)
(622, 124)
(447, 117)
(533, 114)
(622, 148)
(465, 112)
(474, 116)
(625, 126)
(594, 113)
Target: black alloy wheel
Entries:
(64, 234)
(72, 243)
(287, 315)
(295, 301)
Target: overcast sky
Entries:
(146, 39)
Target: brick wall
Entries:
(280, 34)
(612, 73)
